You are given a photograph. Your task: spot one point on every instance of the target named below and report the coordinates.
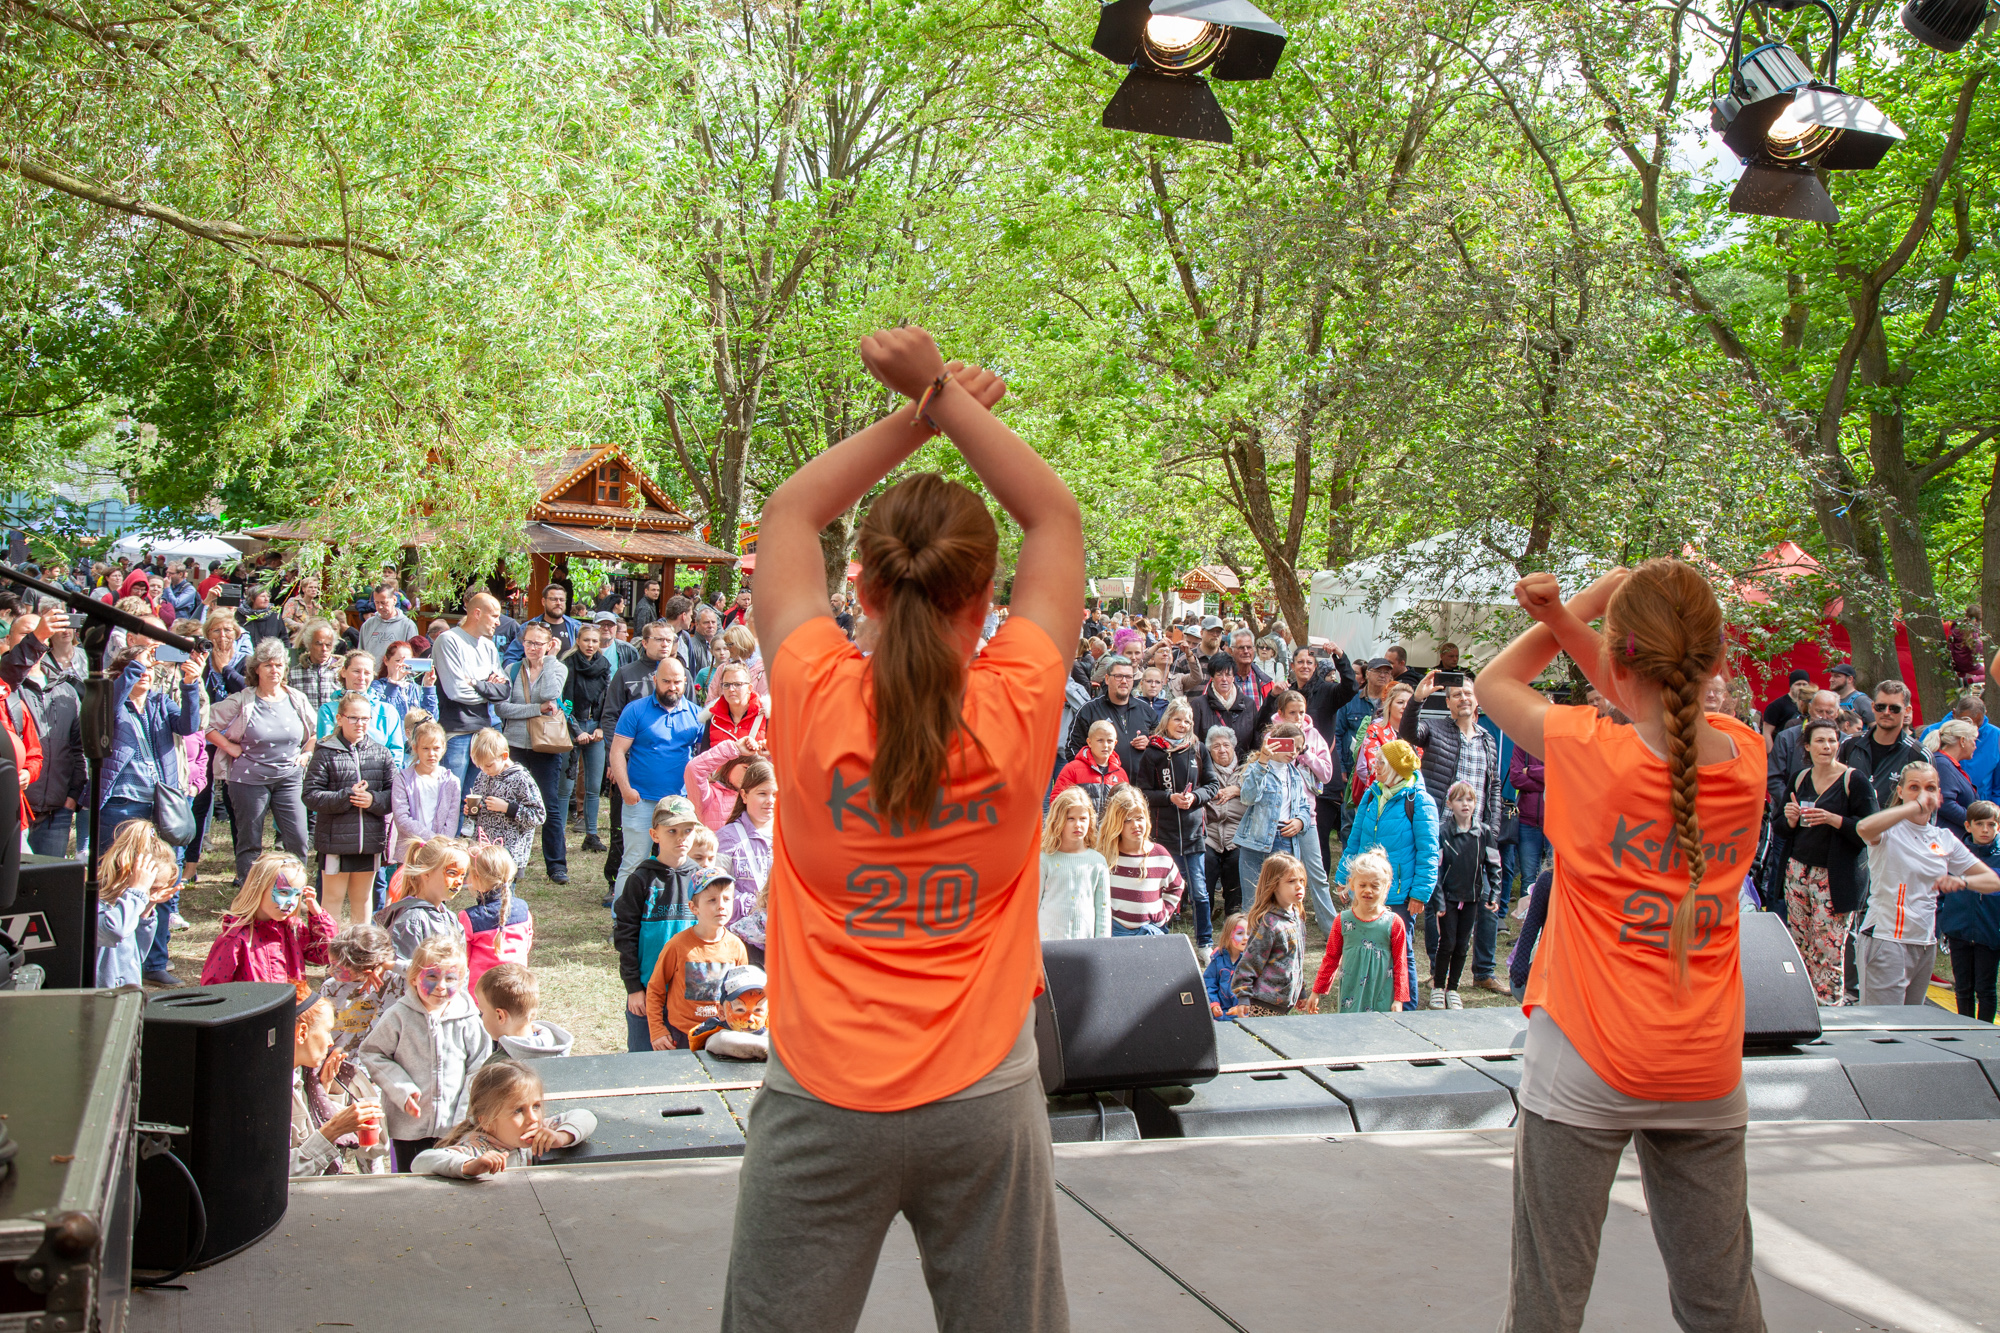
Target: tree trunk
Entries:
(834, 540)
(1989, 577)
(1142, 584)
(1909, 554)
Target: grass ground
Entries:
(573, 958)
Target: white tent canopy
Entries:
(1450, 586)
(202, 546)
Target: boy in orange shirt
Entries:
(687, 982)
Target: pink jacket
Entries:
(712, 801)
(267, 950)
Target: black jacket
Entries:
(633, 681)
(1240, 717)
(1440, 742)
(269, 624)
(1841, 850)
(1329, 688)
(1882, 776)
(1133, 718)
(344, 828)
(584, 689)
(1160, 772)
(57, 713)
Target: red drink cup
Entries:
(370, 1133)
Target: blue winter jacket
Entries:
(1973, 916)
(1220, 979)
(161, 721)
(1272, 794)
(1405, 829)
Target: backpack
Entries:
(502, 944)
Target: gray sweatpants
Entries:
(1697, 1190)
(820, 1185)
(1893, 972)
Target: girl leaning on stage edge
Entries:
(1636, 999)
(904, 952)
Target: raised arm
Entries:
(1514, 704)
(1048, 581)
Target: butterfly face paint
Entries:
(285, 895)
(439, 984)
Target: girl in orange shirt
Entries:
(905, 875)
(1635, 1003)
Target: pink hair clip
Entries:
(1631, 644)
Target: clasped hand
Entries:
(907, 360)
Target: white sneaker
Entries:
(1453, 1000)
(1204, 952)
(1437, 997)
(177, 922)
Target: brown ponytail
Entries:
(1663, 625)
(928, 548)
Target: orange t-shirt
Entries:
(1602, 969)
(903, 960)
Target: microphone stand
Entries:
(99, 707)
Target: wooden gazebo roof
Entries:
(582, 508)
(1210, 578)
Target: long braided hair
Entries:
(1664, 626)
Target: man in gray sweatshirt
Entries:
(468, 681)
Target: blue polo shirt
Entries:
(663, 739)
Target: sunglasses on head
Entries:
(1888, 708)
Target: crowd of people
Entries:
(1204, 768)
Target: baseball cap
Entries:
(605, 618)
(1211, 622)
(739, 979)
(1374, 662)
(708, 877)
(673, 810)
(1841, 669)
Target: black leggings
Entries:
(1973, 971)
(1454, 926)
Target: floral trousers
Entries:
(1819, 931)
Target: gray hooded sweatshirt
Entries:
(412, 1049)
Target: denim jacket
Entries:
(1272, 794)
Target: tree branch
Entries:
(230, 235)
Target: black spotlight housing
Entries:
(1169, 45)
(1944, 25)
(1786, 126)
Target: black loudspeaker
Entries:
(55, 922)
(1127, 1012)
(216, 1060)
(1779, 1008)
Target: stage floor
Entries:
(1859, 1225)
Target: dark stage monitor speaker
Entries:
(1127, 1012)
(216, 1060)
(1779, 1008)
(54, 922)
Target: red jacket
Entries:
(255, 950)
(721, 728)
(27, 743)
(1097, 783)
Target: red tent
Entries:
(1768, 676)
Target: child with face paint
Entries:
(362, 981)
(737, 1031)
(425, 1049)
(504, 1127)
(1219, 977)
(686, 989)
(272, 929)
(432, 876)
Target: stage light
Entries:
(1944, 25)
(1169, 45)
(1786, 126)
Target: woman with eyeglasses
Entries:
(737, 714)
(590, 668)
(397, 690)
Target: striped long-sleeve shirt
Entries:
(1145, 889)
